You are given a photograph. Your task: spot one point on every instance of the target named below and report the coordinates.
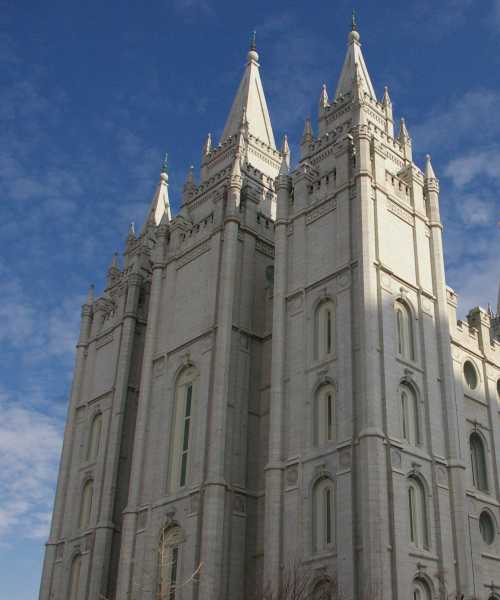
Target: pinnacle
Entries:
(386, 100)
(90, 294)
(403, 131)
(323, 98)
(429, 171)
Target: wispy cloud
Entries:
(464, 169)
(30, 443)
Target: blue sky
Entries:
(94, 93)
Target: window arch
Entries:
(322, 590)
(410, 415)
(86, 504)
(478, 462)
(94, 438)
(168, 562)
(180, 452)
(324, 329)
(417, 507)
(404, 330)
(323, 514)
(421, 590)
(74, 577)
(324, 417)
(470, 375)
(487, 527)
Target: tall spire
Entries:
(354, 57)
(429, 171)
(251, 99)
(323, 98)
(160, 205)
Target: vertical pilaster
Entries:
(130, 513)
(456, 461)
(215, 497)
(106, 525)
(67, 450)
(273, 526)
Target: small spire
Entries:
(164, 167)
(403, 131)
(285, 151)
(90, 294)
(307, 135)
(114, 261)
(253, 41)
(190, 176)
(244, 120)
(386, 100)
(323, 98)
(354, 26)
(236, 170)
(131, 230)
(429, 171)
(208, 145)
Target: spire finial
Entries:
(90, 294)
(253, 41)
(164, 167)
(354, 26)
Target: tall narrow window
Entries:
(325, 415)
(404, 331)
(168, 563)
(417, 508)
(323, 514)
(183, 429)
(324, 330)
(478, 462)
(94, 438)
(421, 590)
(86, 505)
(410, 418)
(74, 577)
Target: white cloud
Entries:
(30, 443)
(465, 169)
(473, 117)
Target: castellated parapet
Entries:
(275, 381)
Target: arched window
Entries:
(183, 429)
(404, 331)
(168, 563)
(478, 462)
(94, 438)
(324, 329)
(325, 415)
(417, 507)
(410, 417)
(74, 577)
(421, 590)
(487, 527)
(86, 504)
(470, 375)
(323, 590)
(323, 514)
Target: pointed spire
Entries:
(235, 179)
(160, 203)
(208, 145)
(307, 135)
(429, 171)
(114, 261)
(189, 186)
(354, 57)
(403, 136)
(131, 231)
(90, 294)
(250, 97)
(386, 100)
(323, 98)
(285, 150)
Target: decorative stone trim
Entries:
(400, 212)
(193, 253)
(264, 248)
(105, 339)
(321, 210)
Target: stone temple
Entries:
(275, 382)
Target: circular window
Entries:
(470, 375)
(487, 528)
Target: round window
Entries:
(470, 375)
(487, 528)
